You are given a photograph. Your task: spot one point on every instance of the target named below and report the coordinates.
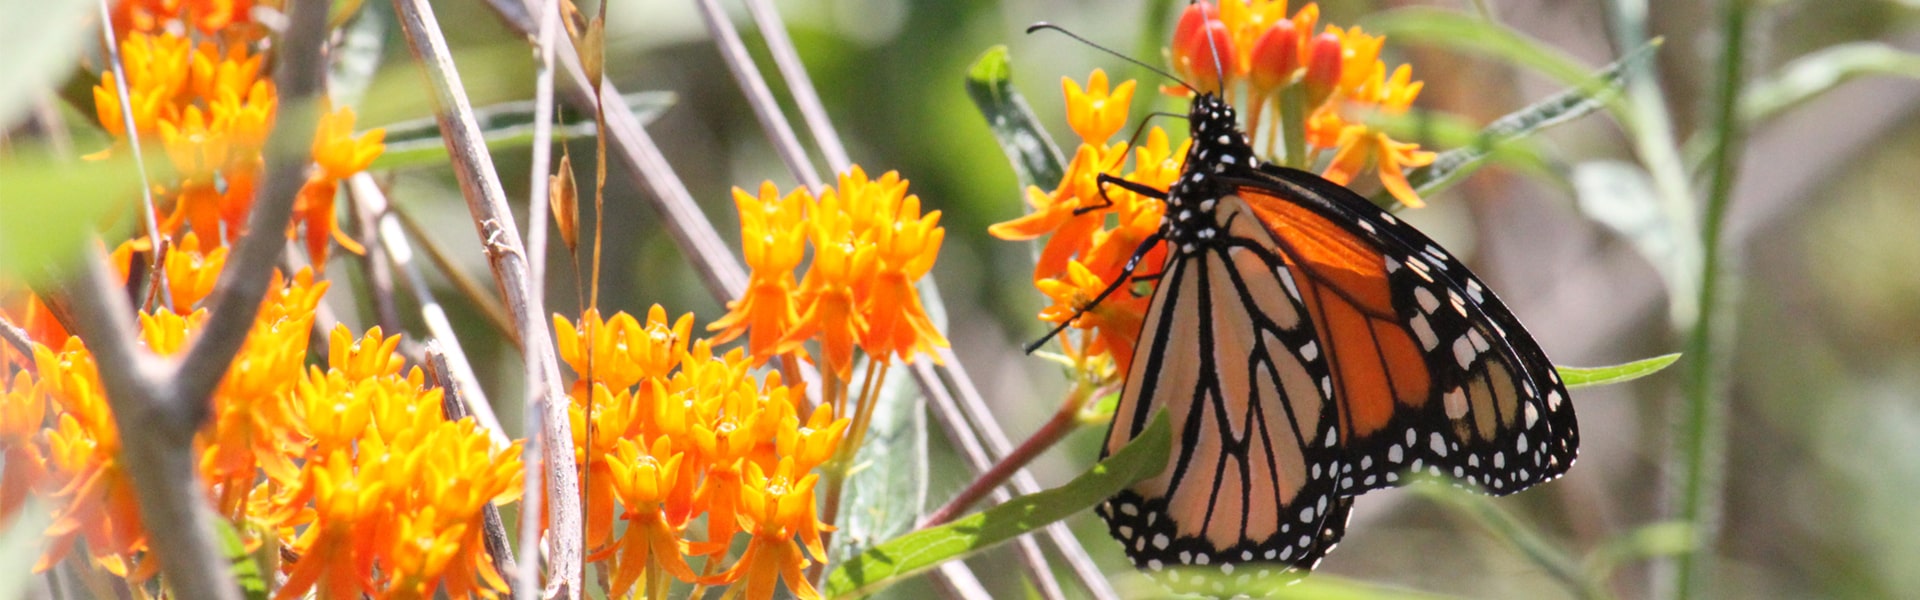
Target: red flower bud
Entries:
(1276, 55)
(1323, 68)
(1204, 56)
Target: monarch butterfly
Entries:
(1310, 347)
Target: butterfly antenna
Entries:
(1045, 25)
(1219, 72)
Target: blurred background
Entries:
(1823, 452)
(1822, 455)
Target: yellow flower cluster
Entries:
(389, 491)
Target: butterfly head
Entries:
(1219, 147)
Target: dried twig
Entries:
(765, 109)
(454, 405)
(17, 338)
(527, 581)
(492, 218)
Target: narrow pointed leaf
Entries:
(416, 142)
(1821, 70)
(1036, 160)
(1559, 108)
(917, 552)
(1578, 377)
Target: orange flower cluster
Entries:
(298, 457)
(351, 473)
(390, 492)
(870, 245)
(211, 109)
(1093, 232)
(1335, 79)
(676, 433)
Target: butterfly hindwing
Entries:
(1251, 491)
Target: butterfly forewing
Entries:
(1432, 373)
(1229, 352)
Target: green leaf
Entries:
(416, 143)
(355, 61)
(1579, 377)
(1821, 70)
(1036, 160)
(919, 551)
(20, 546)
(42, 40)
(49, 206)
(884, 496)
(1583, 98)
(246, 572)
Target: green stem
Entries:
(1293, 121)
(1704, 433)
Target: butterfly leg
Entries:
(1125, 274)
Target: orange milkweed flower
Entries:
(828, 307)
(1097, 112)
(773, 240)
(192, 272)
(94, 494)
(23, 413)
(777, 508)
(338, 154)
(1343, 82)
(644, 483)
(904, 251)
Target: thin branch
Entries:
(469, 288)
(765, 108)
(156, 436)
(454, 405)
(112, 44)
(1065, 420)
(299, 66)
(379, 271)
(527, 581)
(799, 84)
(16, 338)
(493, 219)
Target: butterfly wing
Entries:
(1430, 370)
(1229, 350)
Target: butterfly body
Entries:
(1311, 347)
